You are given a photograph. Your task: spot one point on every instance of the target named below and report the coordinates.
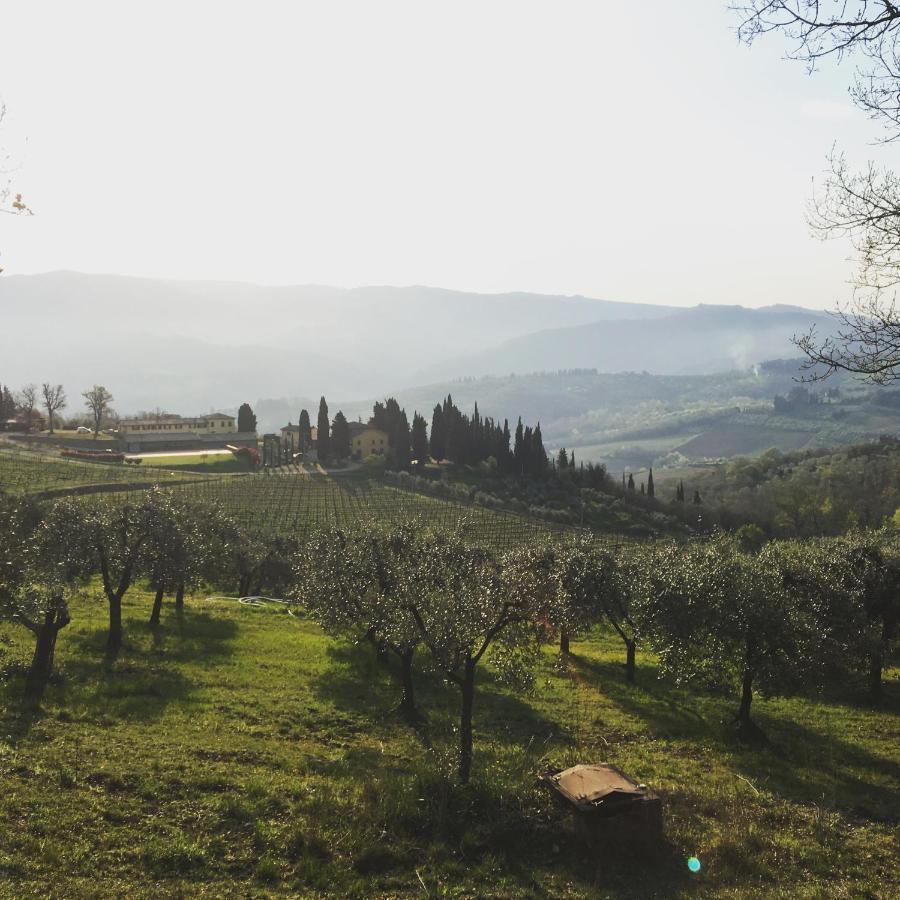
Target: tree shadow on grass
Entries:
(798, 762)
(146, 677)
(17, 714)
(502, 822)
(808, 766)
(193, 637)
(503, 828)
(358, 682)
(669, 711)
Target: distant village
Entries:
(453, 436)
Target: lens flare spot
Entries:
(694, 864)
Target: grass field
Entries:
(239, 752)
(70, 434)
(210, 463)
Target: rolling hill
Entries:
(699, 340)
(190, 346)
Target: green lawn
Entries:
(239, 752)
(73, 435)
(208, 463)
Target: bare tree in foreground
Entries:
(818, 29)
(11, 204)
(54, 400)
(863, 206)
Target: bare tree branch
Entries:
(867, 29)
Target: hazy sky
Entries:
(618, 150)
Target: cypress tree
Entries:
(651, 491)
(340, 437)
(323, 439)
(457, 434)
(7, 405)
(438, 441)
(527, 462)
(400, 442)
(380, 417)
(305, 433)
(504, 458)
(246, 420)
(572, 460)
(420, 444)
(539, 454)
(562, 460)
(630, 482)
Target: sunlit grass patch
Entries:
(240, 751)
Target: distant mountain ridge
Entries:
(190, 346)
(695, 341)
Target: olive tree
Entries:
(111, 540)
(359, 582)
(44, 610)
(855, 580)
(851, 589)
(618, 600)
(463, 606)
(180, 547)
(258, 563)
(719, 615)
(591, 585)
(37, 568)
(882, 609)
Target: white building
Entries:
(159, 433)
(214, 423)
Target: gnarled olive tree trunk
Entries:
(46, 633)
(157, 606)
(467, 689)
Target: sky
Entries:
(617, 150)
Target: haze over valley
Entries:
(189, 347)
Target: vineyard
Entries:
(28, 472)
(282, 505)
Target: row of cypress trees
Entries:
(462, 439)
(332, 438)
(469, 440)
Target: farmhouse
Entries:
(367, 440)
(290, 437)
(170, 432)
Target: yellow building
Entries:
(365, 440)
